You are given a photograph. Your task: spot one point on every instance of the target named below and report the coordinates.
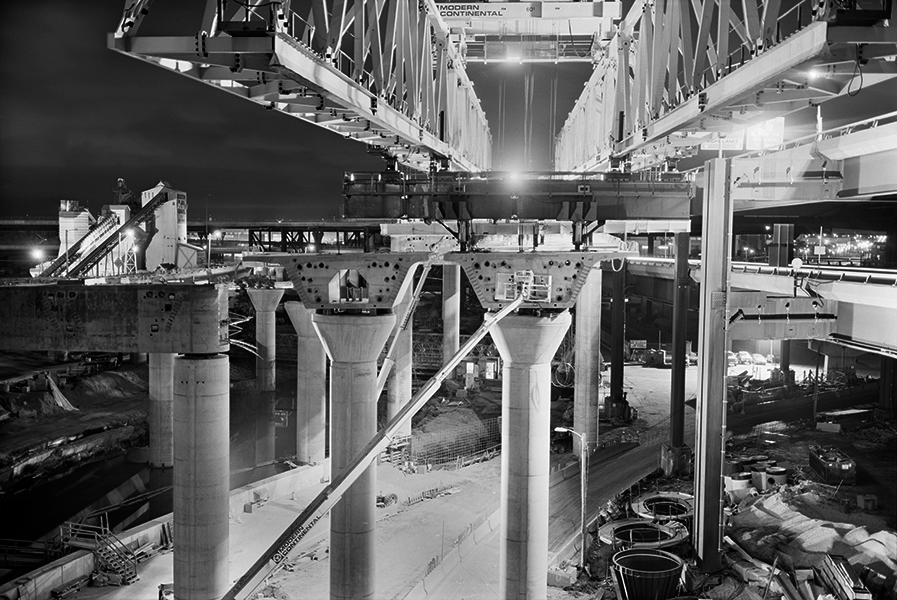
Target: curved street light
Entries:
(584, 485)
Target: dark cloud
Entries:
(75, 116)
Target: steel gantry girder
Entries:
(678, 73)
(383, 73)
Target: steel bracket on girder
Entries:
(548, 280)
(172, 318)
(757, 316)
(349, 281)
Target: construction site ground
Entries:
(411, 536)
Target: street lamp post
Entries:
(584, 486)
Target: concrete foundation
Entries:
(587, 380)
(527, 345)
(353, 343)
(161, 420)
(451, 310)
(201, 476)
(398, 387)
(311, 392)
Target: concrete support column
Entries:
(527, 345)
(711, 402)
(588, 361)
(451, 310)
(161, 409)
(265, 303)
(398, 387)
(201, 476)
(311, 392)
(353, 343)
(618, 324)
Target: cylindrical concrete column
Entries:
(398, 387)
(201, 476)
(311, 392)
(527, 345)
(161, 420)
(353, 343)
(588, 361)
(265, 303)
(451, 310)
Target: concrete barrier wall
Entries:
(38, 584)
(279, 486)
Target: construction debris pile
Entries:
(797, 527)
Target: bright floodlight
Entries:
(216, 234)
(561, 429)
(37, 254)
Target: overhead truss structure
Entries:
(678, 72)
(381, 72)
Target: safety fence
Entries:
(447, 449)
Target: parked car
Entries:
(744, 358)
(731, 358)
(759, 359)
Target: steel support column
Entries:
(451, 310)
(618, 325)
(680, 360)
(711, 402)
(588, 362)
(781, 253)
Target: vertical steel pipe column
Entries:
(618, 324)
(161, 419)
(587, 361)
(680, 360)
(711, 407)
(311, 392)
(201, 476)
(353, 343)
(527, 345)
(265, 303)
(781, 253)
(451, 310)
(398, 388)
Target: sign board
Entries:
(281, 418)
(726, 141)
(820, 250)
(636, 344)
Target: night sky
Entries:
(75, 116)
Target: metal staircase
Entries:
(112, 554)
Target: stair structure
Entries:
(113, 556)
